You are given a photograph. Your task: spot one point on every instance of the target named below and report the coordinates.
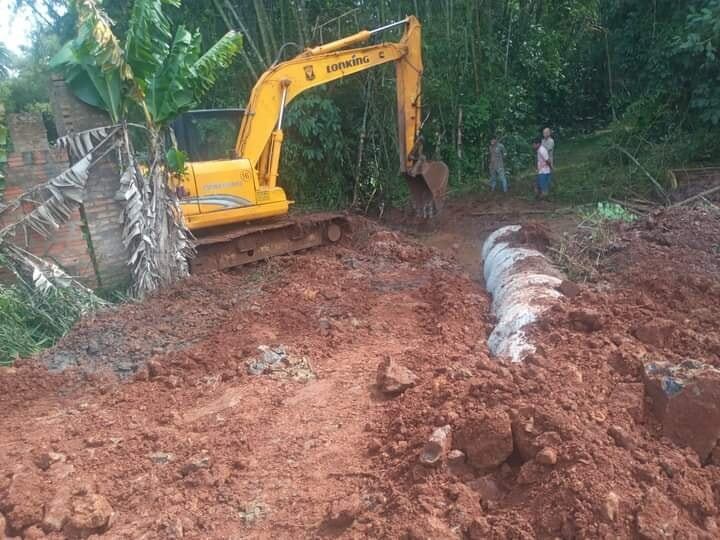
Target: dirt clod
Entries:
(33, 533)
(343, 512)
(486, 439)
(656, 332)
(621, 437)
(195, 464)
(90, 513)
(570, 289)
(45, 460)
(657, 518)
(586, 320)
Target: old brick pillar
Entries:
(102, 212)
(33, 162)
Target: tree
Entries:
(154, 75)
(699, 54)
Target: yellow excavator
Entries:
(230, 196)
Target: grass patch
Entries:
(31, 321)
(590, 168)
(581, 254)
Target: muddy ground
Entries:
(171, 424)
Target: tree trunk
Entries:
(230, 26)
(266, 31)
(246, 35)
(609, 72)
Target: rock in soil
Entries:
(547, 456)
(655, 333)
(456, 458)
(611, 507)
(686, 400)
(437, 447)
(394, 379)
(90, 513)
(57, 511)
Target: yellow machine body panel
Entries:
(226, 191)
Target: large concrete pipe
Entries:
(523, 284)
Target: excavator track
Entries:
(239, 244)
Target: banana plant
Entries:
(156, 74)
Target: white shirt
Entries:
(542, 160)
(549, 145)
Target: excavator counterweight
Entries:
(231, 195)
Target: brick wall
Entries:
(102, 212)
(90, 245)
(33, 162)
(28, 132)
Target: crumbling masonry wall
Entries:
(103, 213)
(33, 162)
(89, 246)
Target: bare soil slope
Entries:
(191, 445)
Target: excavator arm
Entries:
(260, 136)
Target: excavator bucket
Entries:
(428, 181)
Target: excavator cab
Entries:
(208, 134)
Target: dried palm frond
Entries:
(60, 196)
(44, 276)
(80, 144)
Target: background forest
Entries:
(611, 77)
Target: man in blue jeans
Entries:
(544, 170)
(497, 165)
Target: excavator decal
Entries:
(223, 201)
(348, 63)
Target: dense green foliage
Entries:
(31, 321)
(156, 70)
(646, 69)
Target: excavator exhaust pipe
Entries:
(428, 181)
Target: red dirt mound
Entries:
(587, 459)
(194, 445)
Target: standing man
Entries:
(549, 143)
(497, 165)
(544, 170)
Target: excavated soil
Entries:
(586, 459)
(159, 430)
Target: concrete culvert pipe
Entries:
(523, 284)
